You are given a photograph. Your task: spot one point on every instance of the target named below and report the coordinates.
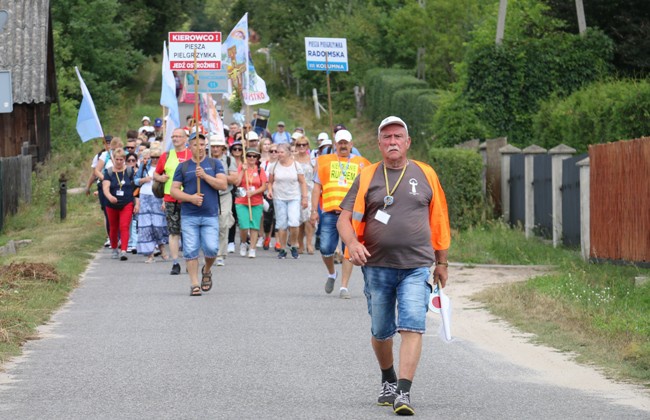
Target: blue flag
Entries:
(88, 125)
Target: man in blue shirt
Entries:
(201, 178)
(281, 136)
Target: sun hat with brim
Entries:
(217, 141)
(237, 143)
(252, 150)
(326, 142)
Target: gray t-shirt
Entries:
(229, 170)
(405, 241)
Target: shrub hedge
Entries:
(599, 113)
(506, 83)
(460, 171)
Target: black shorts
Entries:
(173, 215)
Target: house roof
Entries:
(24, 48)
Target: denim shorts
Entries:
(408, 288)
(200, 232)
(329, 235)
(287, 213)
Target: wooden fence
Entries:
(620, 200)
(15, 184)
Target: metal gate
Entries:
(570, 190)
(517, 199)
(543, 195)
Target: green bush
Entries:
(599, 113)
(455, 121)
(381, 86)
(460, 171)
(507, 82)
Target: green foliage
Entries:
(460, 171)
(627, 22)
(599, 113)
(381, 87)
(456, 121)
(95, 37)
(507, 82)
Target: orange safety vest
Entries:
(438, 215)
(329, 173)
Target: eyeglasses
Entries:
(236, 149)
(251, 156)
(155, 157)
(301, 144)
(130, 160)
(273, 151)
(130, 147)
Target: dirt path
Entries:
(474, 324)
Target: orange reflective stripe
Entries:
(438, 215)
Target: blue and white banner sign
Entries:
(325, 54)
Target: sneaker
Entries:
(116, 254)
(282, 254)
(129, 249)
(243, 248)
(294, 253)
(260, 242)
(277, 247)
(344, 293)
(231, 248)
(134, 251)
(329, 284)
(221, 262)
(123, 256)
(402, 404)
(267, 242)
(387, 394)
(251, 253)
(107, 243)
(176, 269)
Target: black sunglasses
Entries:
(236, 149)
(130, 147)
(273, 151)
(130, 160)
(251, 156)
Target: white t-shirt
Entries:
(146, 188)
(285, 181)
(104, 157)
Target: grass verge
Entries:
(592, 310)
(37, 280)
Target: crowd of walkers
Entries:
(392, 215)
(270, 178)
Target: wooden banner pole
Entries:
(329, 94)
(196, 120)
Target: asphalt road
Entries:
(266, 342)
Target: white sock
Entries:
(333, 276)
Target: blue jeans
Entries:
(408, 288)
(329, 235)
(200, 232)
(287, 213)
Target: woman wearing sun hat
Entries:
(249, 203)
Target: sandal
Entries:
(195, 291)
(206, 280)
(149, 260)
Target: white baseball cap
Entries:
(145, 118)
(392, 120)
(343, 135)
(297, 136)
(323, 136)
(253, 135)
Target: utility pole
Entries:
(501, 23)
(582, 23)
